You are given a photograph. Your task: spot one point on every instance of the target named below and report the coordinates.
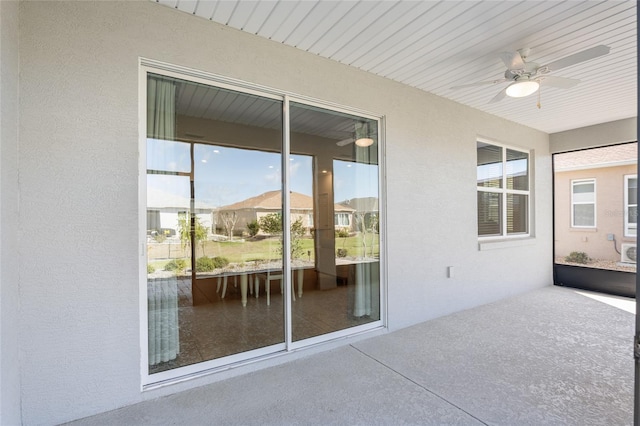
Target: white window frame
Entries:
(629, 226)
(503, 191)
(172, 376)
(342, 217)
(575, 182)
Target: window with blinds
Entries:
(503, 191)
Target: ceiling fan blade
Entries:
(500, 96)
(344, 142)
(512, 60)
(559, 82)
(479, 83)
(576, 58)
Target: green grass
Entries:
(265, 249)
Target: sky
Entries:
(226, 175)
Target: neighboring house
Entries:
(595, 201)
(255, 208)
(365, 207)
(163, 210)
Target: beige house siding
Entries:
(609, 213)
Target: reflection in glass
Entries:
(517, 214)
(517, 170)
(489, 169)
(341, 281)
(216, 285)
(165, 156)
(213, 172)
(489, 214)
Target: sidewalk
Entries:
(554, 356)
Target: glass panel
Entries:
(517, 213)
(632, 187)
(584, 192)
(336, 275)
(583, 188)
(517, 170)
(214, 223)
(633, 215)
(583, 215)
(168, 156)
(489, 170)
(489, 214)
(584, 197)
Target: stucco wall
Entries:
(603, 134)
(609, 213)
(80, 327)
(9, 281)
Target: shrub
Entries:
(253, 228)
(220, 262)
(204, 264)
(176, 265)
(341, 252)
(578, 257)
(150, 269)
(271, 223)
(342, 233)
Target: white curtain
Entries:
(367, 283)
(162, 294)
(162, 303)
(161, 108)
(367, 273)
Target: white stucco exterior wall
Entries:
(79, 324)
(9, 281)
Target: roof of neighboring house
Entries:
(272, 200)
(362, 204)
(608, 156)
(160, 199)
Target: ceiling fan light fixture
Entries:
(364, 142)
(522, 88)
(363, 138)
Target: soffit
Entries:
(435, 45)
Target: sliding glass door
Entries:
(345, 268)
(262, 224)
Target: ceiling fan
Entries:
(526, 77)
(361, 136)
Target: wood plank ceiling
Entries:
(435, 45)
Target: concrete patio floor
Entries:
(554, 356)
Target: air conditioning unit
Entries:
(629, 253)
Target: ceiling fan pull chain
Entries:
(539, 90)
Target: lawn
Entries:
(251, 250)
